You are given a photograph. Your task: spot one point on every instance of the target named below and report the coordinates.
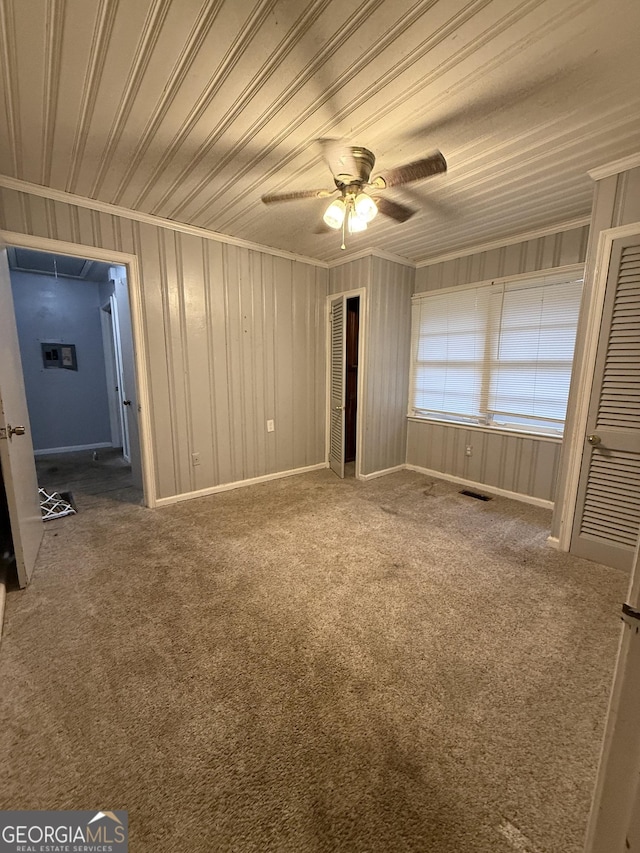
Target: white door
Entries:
(337, 385)
(111, 370)
(607, 517)
(614, 824)
(16, 448)
(128, 368)
(124, 402)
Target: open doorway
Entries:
(75, 336)
(351, 390)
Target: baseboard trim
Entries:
(238, 484)
(375, 474)
(483, 487)
(553, 542)
(72, 449)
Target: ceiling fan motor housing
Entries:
(361, 163)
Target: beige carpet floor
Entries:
(311, 665)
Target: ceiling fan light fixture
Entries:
(356, 222)
(335, 213)
(351, 167)
(365, 207)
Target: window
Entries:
(497, 354)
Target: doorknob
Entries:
(594, 439)
(9, 431)
(126, 402)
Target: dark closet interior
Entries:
(7, 557)
(351, 396)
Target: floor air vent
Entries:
(475, 495)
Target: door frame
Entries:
(134, 290)
(362, 373)
(574, 436)
(117, 351)
(115, 407)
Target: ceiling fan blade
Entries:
(424, 200)
(292, 196)
(435, 164)
(394, 209)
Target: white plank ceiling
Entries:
(192, 109)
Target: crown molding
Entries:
(194, 230)
(623, 165)
(372, 253)
(148, 219)
(569, 225)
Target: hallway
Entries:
(88, 478)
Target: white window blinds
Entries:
(449, 340)
(498, 354)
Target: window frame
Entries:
(538, 278)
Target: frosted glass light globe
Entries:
(356, 223)
(365, 207)
(334, 214)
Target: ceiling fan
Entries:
(351, 167)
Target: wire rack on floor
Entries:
(56, 504)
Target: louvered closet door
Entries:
(338, 383)
(607, 517)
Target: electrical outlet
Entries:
(468, 450)
(270, 426)
(195, 459)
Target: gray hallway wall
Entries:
(67, 408)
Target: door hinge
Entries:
(631, 616)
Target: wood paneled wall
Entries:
(521, 464)
(616, 202)
(514, 463)
(552, 250)
(351, 276)
(234, 337)
(389, 286)
(388, 365)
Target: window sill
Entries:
(517, 433)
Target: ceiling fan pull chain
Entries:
(344, 222)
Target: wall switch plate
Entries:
(195, 459)
(468, 450)
(270, 426)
